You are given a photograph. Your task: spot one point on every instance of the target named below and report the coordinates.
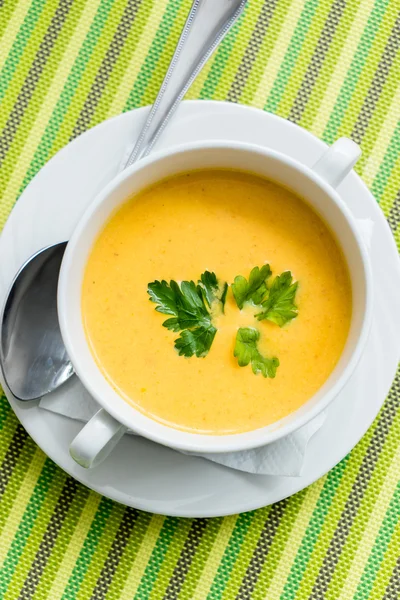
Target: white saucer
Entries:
(140, 473)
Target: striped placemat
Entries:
(333, 66)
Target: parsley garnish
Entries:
(277, 301)
(252, 290)
(278, 304)
(190, 308)
(247, 352)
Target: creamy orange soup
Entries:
(226, 222)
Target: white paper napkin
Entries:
(284, 457)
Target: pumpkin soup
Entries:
(255, 296)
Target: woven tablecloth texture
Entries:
(332, 66)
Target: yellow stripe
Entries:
(294, 540)
(278, 54)
(14, 25)
(196, 87)
(376, 517)
(386, 133)
(342, 67)
(385, 572)
(142, 49)
(214, 558)
(142, 557)
(49, 104)
(75, 545)
(21, 502)
(7, 434)
(397, 237)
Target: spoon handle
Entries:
(207, 24)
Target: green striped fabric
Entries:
(332, 66)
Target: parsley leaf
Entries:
(213, 291)
(247, 352)
(195, 341)
(252, 290)
(190, 308)
(278, 305)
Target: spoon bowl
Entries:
(33, 357)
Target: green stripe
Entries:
(385, 170)
(221, 57)
(20, 74)
(380, 111)
(259, 33)
(107, 66)
(314, 528)
(242, 526)
(154, 67)
(43, 84)
(317, 59)
(170, 560)
(260, 555)
(51, 141)
(7, 9)
(329, 64)
(119, 70)
(5, 409)
(385, 572)
(359, 61)
(8, 429)
(188, 551)
(15, 481)
(291, 56)
(99, 43)
(393, 587)
(200, 558)
(228, 60)
(101, 552)
(377, 555)
(393, 212)
(389, 194)
(61, 544)
(50, 536)
(367, 74)
(12, 455)
(277, 549)
(130, 552)
(264, 52)
(378, 82)
(92, 541)
(356, 461)
(167, 533)
(30, 529)
(360, 521)
(19, 46)
(125, 530)
(245, 553)
(307, 50)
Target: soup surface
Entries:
(226, 222)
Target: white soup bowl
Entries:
(316, 185)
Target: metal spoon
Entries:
(33, 358)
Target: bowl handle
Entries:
(96, 439)
(338, 161)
